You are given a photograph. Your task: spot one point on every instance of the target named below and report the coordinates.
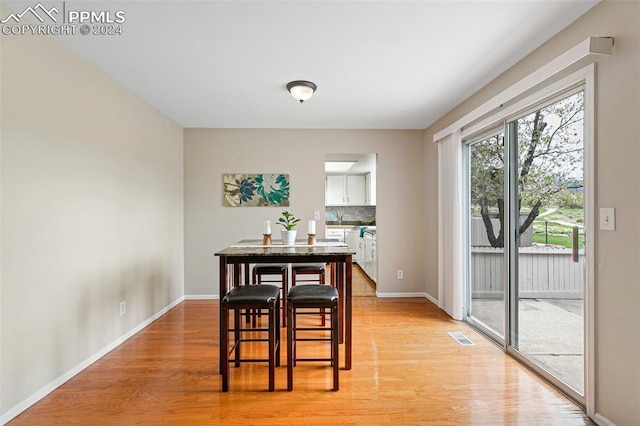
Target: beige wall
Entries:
(91, 214)
(617, 277)
(209, 227)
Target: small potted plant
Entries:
(289, 222)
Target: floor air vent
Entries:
(461, 338)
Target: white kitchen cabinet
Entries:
(334, 234)
(356, 190)
(351, 237)
(359, 259)
(374, 259)
(344, 235)
(370, 256)
(335, 190)
(344, 190)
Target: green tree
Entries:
(549, 162)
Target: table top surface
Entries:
(322, 247)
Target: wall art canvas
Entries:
(256, 190)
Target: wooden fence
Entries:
(543, 273)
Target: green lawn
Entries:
(562, 214)
(558, 240)
(558, 233)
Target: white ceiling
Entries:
(377, 64)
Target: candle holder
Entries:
(266, 239)
(311, 240)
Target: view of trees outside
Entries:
(550, 150)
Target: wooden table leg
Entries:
(222, 292)
(339, 280)
(224, 350)
(348, 313)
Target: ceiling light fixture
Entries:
(301, 90)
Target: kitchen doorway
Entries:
(350, 212)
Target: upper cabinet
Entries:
(350, 179)
(347, 190)
(335, 190)
(357, 190)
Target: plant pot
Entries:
(288, 237)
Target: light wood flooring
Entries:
(361, 284)
(406, 370)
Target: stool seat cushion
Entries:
(270, 269)
(252, 294)
(308, 267)
(312, 293)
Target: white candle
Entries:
(267, 227)
(312, 227)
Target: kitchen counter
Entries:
(343, 226)
(350, 223)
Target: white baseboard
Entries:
(602, 420)
(201, 297)
(53, 385)
(431, 299)
(425, 295)
(378, 294)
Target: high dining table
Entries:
(235, 260)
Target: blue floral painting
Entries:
(261, 190)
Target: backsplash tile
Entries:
(350, 213)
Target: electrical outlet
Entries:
(123, 308)
(400, 274)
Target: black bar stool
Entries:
(307, 269)
(316, 269)
(250, 297)
(312, 296)
(265, 274)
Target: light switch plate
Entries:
(316, 215)
(607, 219)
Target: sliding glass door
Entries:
(485, 195)
(546, 208)
(525, 222)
